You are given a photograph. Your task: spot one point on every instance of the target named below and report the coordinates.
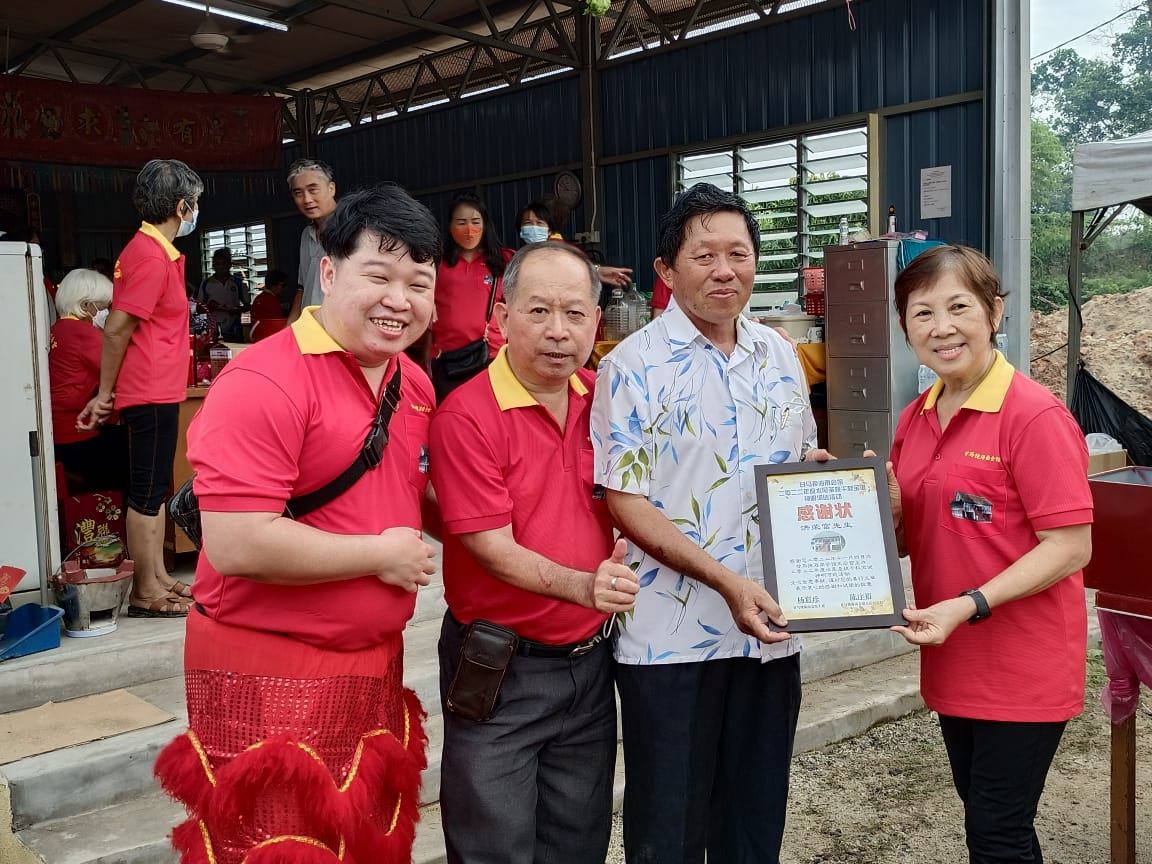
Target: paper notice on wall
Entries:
(936, 192)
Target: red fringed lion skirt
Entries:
(294, 754)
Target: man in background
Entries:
(313, 187)
(225, 295)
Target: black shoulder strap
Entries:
(370, 454)
(491, 300)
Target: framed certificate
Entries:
(829, 547)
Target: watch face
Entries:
(568, 188)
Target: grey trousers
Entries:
(533, 784)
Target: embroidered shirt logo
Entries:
(423, 409)
(981, 457)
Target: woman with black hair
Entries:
(465, 336)
(537, 221)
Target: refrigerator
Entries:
(29, 525)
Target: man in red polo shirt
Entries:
(301, 734)
(528, 547)
(144, 371)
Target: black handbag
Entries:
(184, 507)
(452, 368)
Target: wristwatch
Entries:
(982, 610)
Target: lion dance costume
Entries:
(295, 754)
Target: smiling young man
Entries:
(301, 734)
(528, 546)
(684, 409)
(313, 187)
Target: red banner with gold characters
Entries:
(86, 124)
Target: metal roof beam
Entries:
(286, 15)
(74, 29)
(375, 52)
(167, 67)
(369, 8)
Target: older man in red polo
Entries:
(532, 579)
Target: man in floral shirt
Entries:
(682, 412)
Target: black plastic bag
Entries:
(1098, 409)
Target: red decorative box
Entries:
(86, 517)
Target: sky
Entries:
(1054, 21)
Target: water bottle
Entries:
(925, 378)
(616, 315)
(843, 230)
(637, 307)
(645, 312)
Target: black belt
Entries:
(528, 648)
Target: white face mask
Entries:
(187, 228)
(533, 233)
(99, 318)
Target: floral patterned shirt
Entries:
(675, 420)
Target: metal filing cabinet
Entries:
(871, 371)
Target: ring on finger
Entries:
(612, 584)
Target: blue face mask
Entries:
(533, 233)
(187, 228)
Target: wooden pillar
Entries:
(1124, 792)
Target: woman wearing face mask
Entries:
(470, 274)
(94, 460)
(144, 372)
(537, 223)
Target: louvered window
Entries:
(799, 188)
(249, 245)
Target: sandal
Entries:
(169, 606)
(179, 589)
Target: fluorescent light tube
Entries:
(228, 13)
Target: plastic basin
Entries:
(31, 628)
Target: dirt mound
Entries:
(1116, 345)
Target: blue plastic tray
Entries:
(31, 628)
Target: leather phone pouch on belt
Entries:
(484, 657)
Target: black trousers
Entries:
(707, 749)
(999, 769)
(533, 784)
(153, 431)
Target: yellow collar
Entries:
(989, 393)
(165, 244)
(510, 393)
(311, 337)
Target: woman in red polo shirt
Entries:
(95, 459)
(144, 371)
(469, 276)
(994, 509)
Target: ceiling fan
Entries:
(210, 36)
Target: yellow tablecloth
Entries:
(812, 359)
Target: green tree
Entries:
(1051, 171)
(1079, 100)
(1096, 100)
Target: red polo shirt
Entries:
(1011, 462)
(661, 294)
(74, 375)
(461, 301)
(284, 418)
(499, 458)
(148, 283)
